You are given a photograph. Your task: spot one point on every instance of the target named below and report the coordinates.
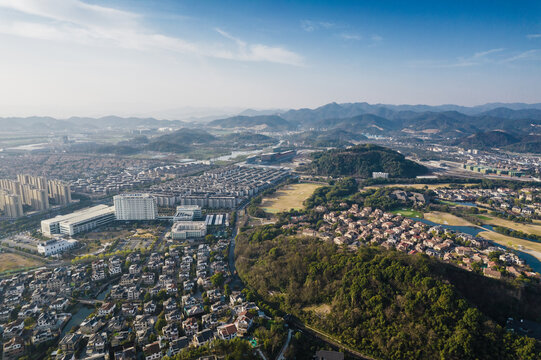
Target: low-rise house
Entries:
(177, 345)
(97, 342)
(227, 332)
(203, 337)
(91, 325)
(150, 307)
(41, 336)
(190, 326)
(244, 322)
(152, 351)
(107, 308)
(70, 343)
(13, 349)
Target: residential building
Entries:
(135, 207)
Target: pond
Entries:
(473, 230)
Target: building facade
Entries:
(79, 221)
(135, 207)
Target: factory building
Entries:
(188, 213)
(53, 247)
(183, 230)
(79, 221)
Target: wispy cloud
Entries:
(492, 56)
(75, 21)
(529, 54)
(484, 54)
(478, 58)
(310, 25)
(349, 36)
(376, 38)
(533, 36)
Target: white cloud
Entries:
(348, 36)
(376, 38)
(78, 22)
(259, 52)
(533, 36)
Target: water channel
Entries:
(82, 313)
(474, 230)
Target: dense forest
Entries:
(362, 160)
(385, 304)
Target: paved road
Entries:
(295, 323)
(284, 348)
(261, 354)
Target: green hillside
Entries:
(385, 304)
(362, 160)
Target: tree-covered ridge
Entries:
(385, 304)
(362, 160)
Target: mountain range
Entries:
(452, 123)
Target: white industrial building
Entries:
(135, 207)
(53, 247)
(188, 213)
(79, 221)
(183, 230)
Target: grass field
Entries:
(409, 213)
(446, 218)
(9, 261)
(527, 228)
(288, 197)
(533, 247)
(483, 217)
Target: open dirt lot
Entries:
(446, 218)
(9, 261)
(288, 197)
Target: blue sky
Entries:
(92, 57)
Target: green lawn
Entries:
(482, 217)
(408, 213)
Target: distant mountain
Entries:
(528, 144)
(506, 113)
(502, 140)
(366, 123)
(185, 136)
(362, 160)
(249, 138)
(345, 110)
(260, 122)
(330, 138)
(252, 112)
(488, 139)
(46, 123)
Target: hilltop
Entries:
(362, 160)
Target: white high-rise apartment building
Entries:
(135, 207)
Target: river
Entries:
(82, 312)
(474, 230)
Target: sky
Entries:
(167, 58)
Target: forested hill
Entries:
(385, 304)
(362, 160)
